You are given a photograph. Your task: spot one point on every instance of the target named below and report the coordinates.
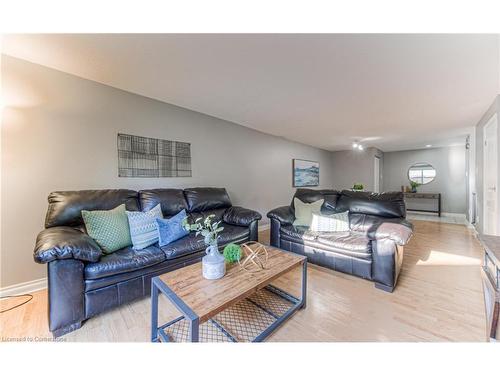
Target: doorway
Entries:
(490, 177)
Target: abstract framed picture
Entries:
(305, 173)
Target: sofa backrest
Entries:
(389, 204)
(172, 200)
(311, 195)
(206, 199)
(65, 206)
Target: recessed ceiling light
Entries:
(428, 145)
(355, 145)
(360, 147)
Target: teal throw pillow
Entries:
(108, 228)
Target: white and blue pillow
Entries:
(143, 227)
(330, 223)
(170, 230)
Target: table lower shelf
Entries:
(251, 319)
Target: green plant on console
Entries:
(232, 253)
(358, 187)
(414, 185)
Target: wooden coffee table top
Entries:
(209, 297)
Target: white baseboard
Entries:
(23, 288)
(451, 214)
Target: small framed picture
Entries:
(305, 173)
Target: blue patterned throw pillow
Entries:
(143, 227)
(170, 230)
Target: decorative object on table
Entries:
(358, 187)
(305, 173)
(109, 228)
(151, 157)
(304, 211)
(232, 253)
(213, 264)
(421, 173)
(255, 256)
(414, 186)
(143, 227)
(172, 229)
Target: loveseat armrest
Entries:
(65, 243)
(283, 214)
(400, 232)
(236, 215)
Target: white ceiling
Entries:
(392, 91)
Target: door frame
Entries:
(493, 121)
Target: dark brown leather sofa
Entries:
(372, 249)
(84, 282)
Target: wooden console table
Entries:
(434, 196)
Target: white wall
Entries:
(354, 166)
(59, 133)
(450, 180)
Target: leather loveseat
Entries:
(371, 249)
(83, 282)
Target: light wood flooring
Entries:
(438, 298)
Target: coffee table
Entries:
(218, 305)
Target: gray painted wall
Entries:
(450, 180)
(353, 166)
(492, 110)
(60, 134)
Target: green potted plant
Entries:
(213, 265)
(414, 186)
(358, 187)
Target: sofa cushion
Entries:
(124, 260)
(297, 233)
(218, 215)
(65, 207)
(349, 241)
(203, 199)
(390, 204)
(192, 244)
(172, 201)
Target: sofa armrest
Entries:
(400, 233)
(283, 214)
(240, 216)
(65, 243)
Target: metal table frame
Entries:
(158, 332)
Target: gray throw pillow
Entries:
(304, 211)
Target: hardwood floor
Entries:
(438, 298)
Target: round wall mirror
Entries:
(421, 173)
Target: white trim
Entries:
(452, 214)
(22, 288)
